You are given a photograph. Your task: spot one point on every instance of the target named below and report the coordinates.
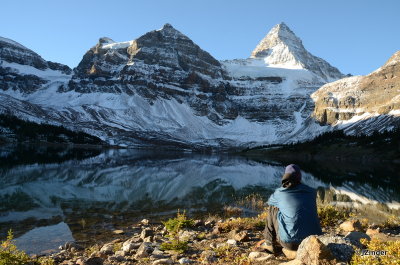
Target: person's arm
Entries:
(273, 200)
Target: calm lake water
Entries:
(50, 196)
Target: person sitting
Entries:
(292, 215)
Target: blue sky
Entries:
(357, 36)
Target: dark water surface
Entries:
(50, 196)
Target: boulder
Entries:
(341, 248)
(355, 237)
(231, 242)
(163, 261)
(129, 245)
(208, 257)
(145, 250)
(260, 256)
(372, 231)
(94, 261)
(116, 258)
(107, 249)
(70, 246)
(146, 233)
(187, 235)
(118, 232)
(350, 226)
(184, 261)
(290, 254)
(145, 222)
(313, 252)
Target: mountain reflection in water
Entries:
(89, 195)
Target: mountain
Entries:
(24, 70)
(282, 48)
(163, 89)
(362, 104)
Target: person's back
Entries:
(292, 215)
(297, 215)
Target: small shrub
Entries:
(9, 253)
(231, 255)
(201, 236)
(179, 246)
(174, 225)
(45, 261)
(391, 222)
(253, 202)
(117, 246)
(330, 216)
(392, 256)
(90, 250)
(248, 223)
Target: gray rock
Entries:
(163, 261)
(107, 249)
(313, 252)
(94, 261)
(116, 258)
(355, 237)
(146, 233)
(144, 250)
(231, 242)
(341, 248)
(208, 257)
(260, 256)
(184, 261)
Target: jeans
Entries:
(271, 231)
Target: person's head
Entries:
(292, 176)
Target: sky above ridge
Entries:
(356, 36)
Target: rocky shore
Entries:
(231, 241)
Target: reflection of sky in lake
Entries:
(45, 239)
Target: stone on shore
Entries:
(290, 254)
(355, 238)
(313, 252)
(350, 226)
(341, 248)
(184, 261)
(163, 261)
(260, 256)
(239, 236)
(146, 233)
(145, 250)
(208, 257)
(107, 249)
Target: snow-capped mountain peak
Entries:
(282, 48)
(279, 39)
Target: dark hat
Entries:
(292, 176)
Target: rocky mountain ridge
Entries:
(163, 89)
(367, 100)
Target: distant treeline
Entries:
(15, 129)
(339, 137)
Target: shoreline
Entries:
(215, 240)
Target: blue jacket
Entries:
(297, 215)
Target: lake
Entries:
(50, 196)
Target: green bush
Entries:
(392, 255)
(9, 253)
(330, 216)
(174, 225)
(179, 246)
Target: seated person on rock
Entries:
(292, 215)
